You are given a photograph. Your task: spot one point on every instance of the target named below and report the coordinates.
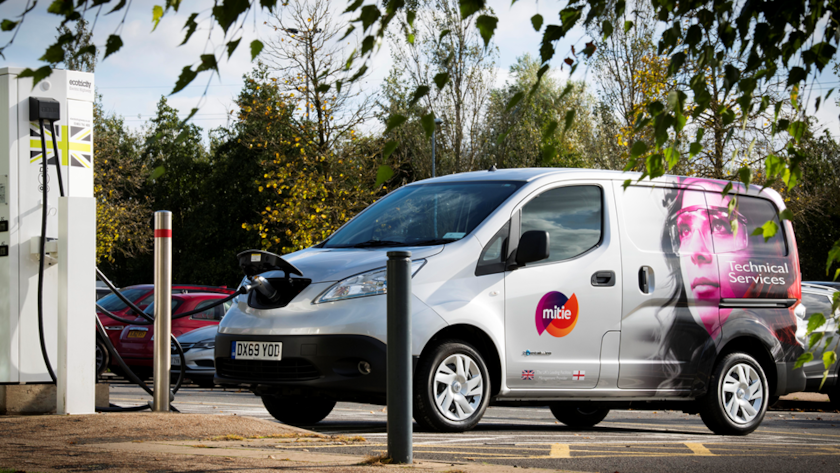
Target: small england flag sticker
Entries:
(528, 375)
(578, 375)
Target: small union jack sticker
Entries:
(578, 375)
(528, 375)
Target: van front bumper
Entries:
(331, 366)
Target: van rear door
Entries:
(672, 287)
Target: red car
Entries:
(135, 344)
(140, 295)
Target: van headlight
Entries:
(362, 285)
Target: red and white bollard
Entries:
(163, 309)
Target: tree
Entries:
(78, 52)
(308, 56)
(123, 208)
(533, 132)
(816, 202)
(307, 191)
(446, 50)
(631, 76)
(728, 144)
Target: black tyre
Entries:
(451, 388)
(298, 410)
(209, 384)
(103, 357)
(834, 396)
(579, 417)
(737, 398)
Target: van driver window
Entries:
(570, 215)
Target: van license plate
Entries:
(256, 350)
(136, 334)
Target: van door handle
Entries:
(644, 285)
(603, 278)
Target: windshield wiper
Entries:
(373, 243)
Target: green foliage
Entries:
(768, 230)
(256, 48)
(112, 45)
(383, 175)
(123, 210)
(552, 124)
(537, 22)
(486, 24)
(157, 15)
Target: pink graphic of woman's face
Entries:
(693, 227)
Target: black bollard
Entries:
(399, 371)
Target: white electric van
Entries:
(564, 288)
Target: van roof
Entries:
(533, 174)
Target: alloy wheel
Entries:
(742, 393)
(458, 387)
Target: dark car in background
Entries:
(818, 299)
(135, 343)
(142, 296)
(198, 346)
(831, 284)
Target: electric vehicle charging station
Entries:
(69, 267)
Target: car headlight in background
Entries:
(362, 285)
(205, 344)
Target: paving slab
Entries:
(183, 442)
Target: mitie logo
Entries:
(556, 314)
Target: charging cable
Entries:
(42, 246)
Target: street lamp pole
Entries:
(438, 121)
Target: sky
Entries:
(133, 80)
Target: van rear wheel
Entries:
(297, 410)
(578, 416)
(737, 398)
(451, 388)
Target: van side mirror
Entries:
(533, 246)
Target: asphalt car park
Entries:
(799, 436)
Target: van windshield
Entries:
(430, 214)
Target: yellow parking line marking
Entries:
(560, 450)
(698, 428)
(699, 449)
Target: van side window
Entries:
(572, 216)
(755, 212)
(492, 259)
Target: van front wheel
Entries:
(737, 397)
(451, 388)
(578, 417)
(297, 410)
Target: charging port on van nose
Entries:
(271, 292)
(286, 289)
